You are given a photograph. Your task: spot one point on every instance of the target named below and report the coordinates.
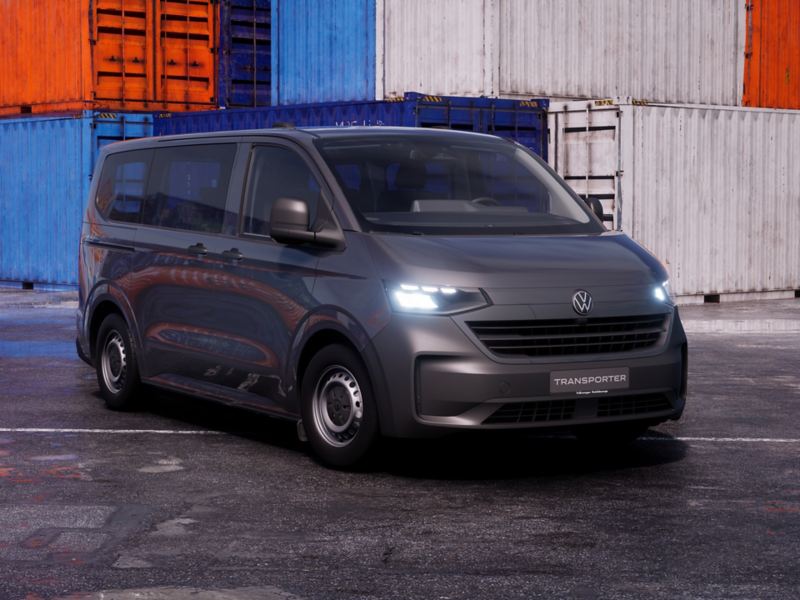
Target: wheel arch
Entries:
(346, 331)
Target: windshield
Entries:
(451, 184)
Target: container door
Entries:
(185, 39)
(245, 61)
(585, 151)
(122, 54)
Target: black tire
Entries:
(611, 435)
(116, 364)
(336, 393)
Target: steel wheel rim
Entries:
(114, 362)
(337, 406)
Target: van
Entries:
(368, 282)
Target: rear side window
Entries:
(189, 187)
(121, 190)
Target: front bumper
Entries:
(438, 377)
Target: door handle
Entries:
(198, 248)
(233, 254)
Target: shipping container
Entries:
(106, 54)
(245, 59)
(660, 50)
(714, 192)
(772, 64)
(522, 120)
(677, 51)
(323, 51)
(45, 168)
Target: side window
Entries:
(189, 187)
(121, 190)
(276, 172)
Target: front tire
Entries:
(338, 407)
(116, 365)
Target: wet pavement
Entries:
(186, 499)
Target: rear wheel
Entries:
(338, 407)
(115, 363)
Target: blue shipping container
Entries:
(522, 120)
(245, 61)
(46, 165)
(323, 51)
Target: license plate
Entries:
(589, 381)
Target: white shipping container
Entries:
(714, 192)
(680, 51)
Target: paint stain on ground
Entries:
(54, 457)
(174, 527)
(164, 465)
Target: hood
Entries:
(493, 262)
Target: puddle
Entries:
(15, 349)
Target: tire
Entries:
(338, 407)
(116, 364)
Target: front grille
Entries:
(632, 405)
(560, 337)
(529, 412)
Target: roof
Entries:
(303, 132)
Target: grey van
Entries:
(368, 282)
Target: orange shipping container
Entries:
(772, 56)
(58, 55)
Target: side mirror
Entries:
(289, 224)
(288, 221)
(597, 207)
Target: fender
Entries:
(108, 291)
(332, 319)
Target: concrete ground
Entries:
(187, 499)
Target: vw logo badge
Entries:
(582, 302)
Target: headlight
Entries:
(434, 299)
(661, 292)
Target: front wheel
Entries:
(338, 407)
(115, 362)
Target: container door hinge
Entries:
(748, 6)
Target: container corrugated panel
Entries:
(714, 192)
(772, 65)
(677, 51)
(245, 59)
(522, 120)
(45, 169)
(323, 51)
(443, 47)
(106, 54)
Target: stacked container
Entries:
(106, 54)
(245, 53)
(46, 165)
(522, 120)
(712, 191)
